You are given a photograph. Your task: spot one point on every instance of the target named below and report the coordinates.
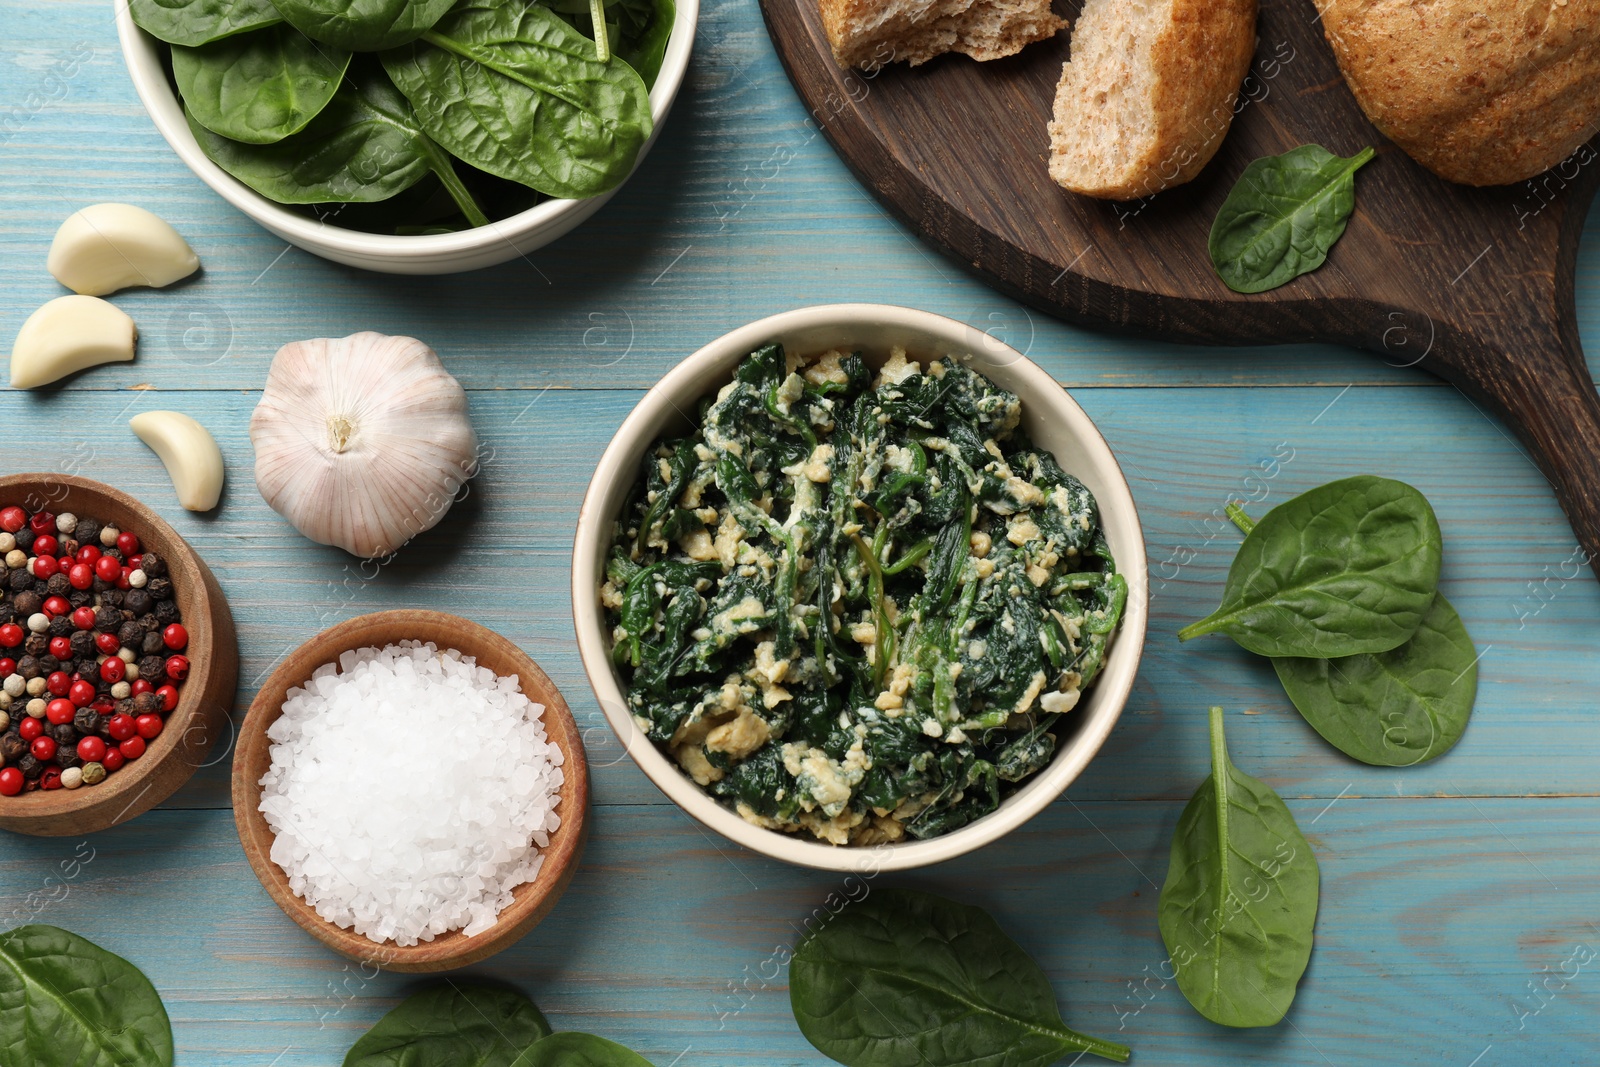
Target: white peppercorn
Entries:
(16, 685)
(5, 721)
(7, 542)
(126, 655)
(108, 536)
(120, 691)
(72, 778)
(36, 707)
(36, 686)
(66, 522)
(39, 622)
(137, 579)
(16, 558)
(131, 673)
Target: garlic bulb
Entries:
(362, 442)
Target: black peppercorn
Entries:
(160, 588)
(106, 620)
(103, 728)
(31, 768)
(138, 601)
(28, 667)
(19, 581)
(87, 531)
(83, 645)
(12, 746)
(25, 538)
(123, 706)
(36, 644)
(150, 643)
(113, 553)
(153, 669)
(146, 704)
(112, 597)
(67, 756)
(167, 613)
(87, 720)
(80, 598)
(59, 584)
(63, 733)
(61, 626)
(48, 665)
(150, 624)
(100, 585)
(132, 635)
(27, 602)
(153, 566)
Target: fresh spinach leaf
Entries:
(1396, 708)
(67, 1002)
(363, 25)
(644, 30)
(580, 1050)
(197, 22)
(908, 979)
(1282, 216)
(450, 1025)
(363, 147)
(514, 90)
(1239, 905)
(1347, 568)
(258, 87)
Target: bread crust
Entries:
(1198, 60)
(1483, 92)
(869, 34)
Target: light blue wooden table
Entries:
(1455, 896)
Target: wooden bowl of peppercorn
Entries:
(179, 588)
(531, 901)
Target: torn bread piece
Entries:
(869, 34)
(1149, 92)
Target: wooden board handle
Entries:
(1544, 391)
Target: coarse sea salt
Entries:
(410, 791)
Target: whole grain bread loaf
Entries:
(871, 33)
(1485, 92)
(1148, 93)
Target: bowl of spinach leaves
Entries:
(410, 136)
(859, 584)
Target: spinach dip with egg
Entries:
(857, 605)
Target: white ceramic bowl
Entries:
(482, 246)
(1051, 418)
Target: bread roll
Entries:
(1485, 92)
(1148, 94)
(871, 33)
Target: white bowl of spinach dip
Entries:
(885, 588)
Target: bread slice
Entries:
(1485, 92)
(869, 34)
(1148, 94)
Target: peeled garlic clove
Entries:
(69, 334)
(191, 455)
(108, 247)
(362, 442)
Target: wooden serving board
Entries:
(1474, 285)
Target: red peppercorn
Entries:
(142, 686)
(60, 711)
(107, 643)
(42, 522)
(122, 582)
(148, 726)
(132, 748)
(88, 554)
(10, 635)
(175, 637)
(113, 671)
(50, 779)
(45, 567)
(103, 704)
(12, 519)
(58, 683)
(30, 728)
(56, 605)
(81, 576)
(169, 697)
(107, 569)
(90, 749)
(83, 618)
(44, 545)
(10, 779)
(135, 562)
(43, 748)
(112, 760)
(81, 693)
(8, 667)
(177, 668)
(121, 727)
(128, 544)
(60, 648)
